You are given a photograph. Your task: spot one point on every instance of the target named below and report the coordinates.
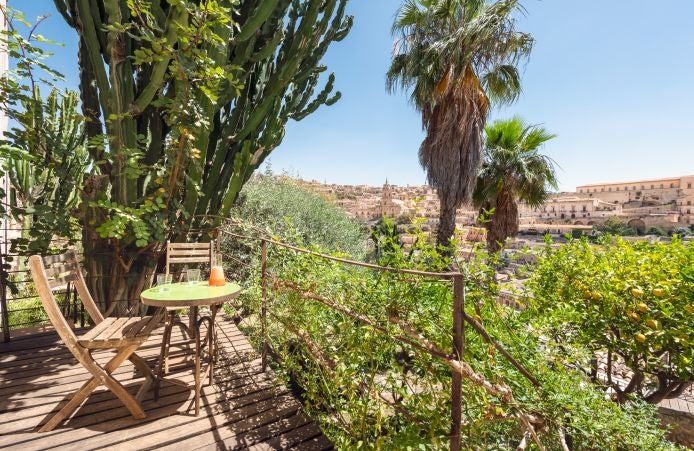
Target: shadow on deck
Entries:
(244, 408)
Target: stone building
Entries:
(666, 203)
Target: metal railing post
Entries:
(263, 306)
(3, 302)
(458, 350)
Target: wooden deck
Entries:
(244, 409)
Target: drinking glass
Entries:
(192, 276)
(163, 281)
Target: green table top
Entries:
(185, 294)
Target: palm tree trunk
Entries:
(446, 228)
(504, 221)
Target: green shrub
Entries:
(576, 233)
(285, 208)
(657, 231)
(369, 390)
(681, 231)
(616, 226)
(632, 302)
(26, 313)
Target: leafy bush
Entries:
(284, 208)
(657, 231)
(629, 304)
(368, 389)
(616, 226)
(26, 313)
(681, 231)
(385, 237)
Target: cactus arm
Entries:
(260, 15)
(177, 17)
(321, 99)
(90, 107)
(91, 46)
(62, 8)
(241, 162)
(96, 7)
(121, 125)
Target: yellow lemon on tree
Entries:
(633, 316)
(587, 294)
(637, 292)
(653, 324)
(643, 307)
(658, 292)
(596, 296)
(641, 338)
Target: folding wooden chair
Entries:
(124, 335)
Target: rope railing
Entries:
(393, 327)
(408, 335)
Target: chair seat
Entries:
(119, 332)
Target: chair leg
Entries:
(141, 365)
(117, 388)
(75, 401)
(85, 390)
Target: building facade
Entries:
(665, 203)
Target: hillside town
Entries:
(665, 203)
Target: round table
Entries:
(176, 296)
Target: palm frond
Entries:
(502, 84)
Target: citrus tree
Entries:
(620, 305)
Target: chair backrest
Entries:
(184, 253)
(54, 272)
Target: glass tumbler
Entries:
(192, 276)
(163, 281)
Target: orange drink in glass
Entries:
(217, 276)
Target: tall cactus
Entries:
(191, 96)
(45, 160)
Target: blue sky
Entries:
(613, 79)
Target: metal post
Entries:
(458, 349)
(263, 307)
(74, 305)
(3, 301)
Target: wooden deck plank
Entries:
(224, 375)
(236, 418)
(69, 370)
(64, 381)
(104, 400)
(245, 407)
(37, 353)
(306, 437)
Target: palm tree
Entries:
(513, 171)
(456, 57)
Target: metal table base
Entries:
(192, 330)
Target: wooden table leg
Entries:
(197, 369)
(212, 348)
(168, 325)
(192, 321)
